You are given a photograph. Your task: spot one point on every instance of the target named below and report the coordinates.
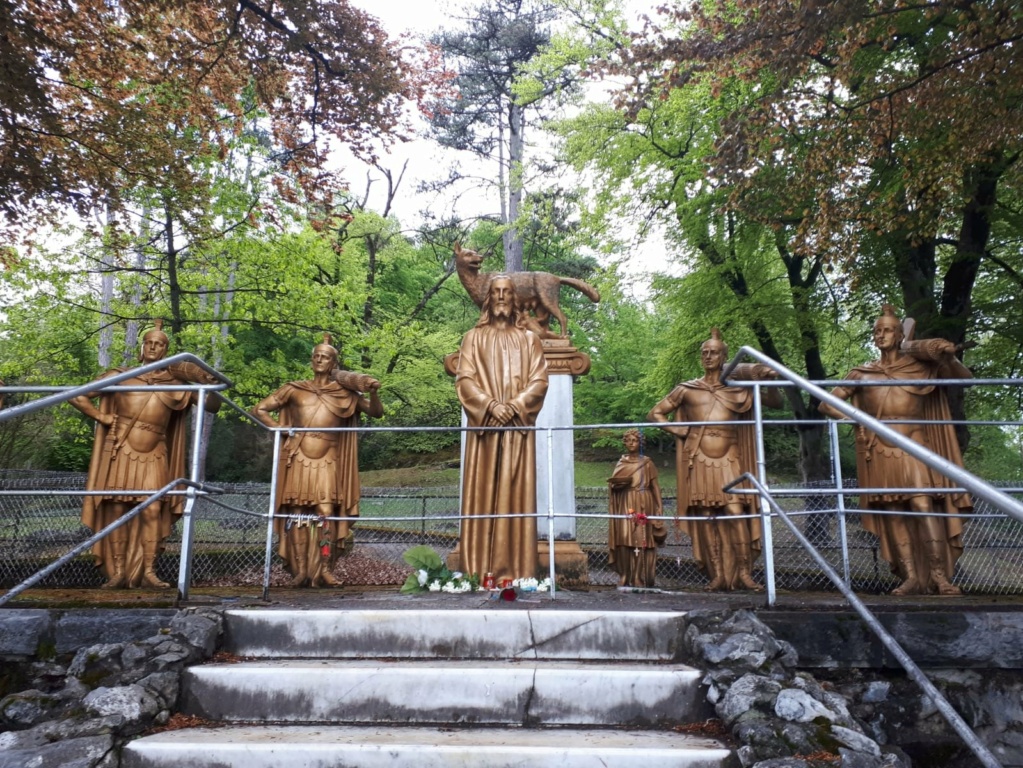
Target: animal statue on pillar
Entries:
(537, 293)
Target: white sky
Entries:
(416, 16)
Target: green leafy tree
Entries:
(894, 121)
(739, 273)
(623, 336)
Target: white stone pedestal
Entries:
(555, 460)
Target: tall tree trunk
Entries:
(915, 268)
(974, 233)
(131, 331)
(106, 330)
(813, 465)
(513, 259)
(957, 287)
(223, 314)
(503, 164)
(372, 247)
(173, 284)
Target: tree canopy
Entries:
(100, 97)
(807, 161)
(889, 120)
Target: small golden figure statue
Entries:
(922, 550)
(318, 472)
(633, 491)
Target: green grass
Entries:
(423, 476)
(588, 474)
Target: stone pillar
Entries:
(555, 479)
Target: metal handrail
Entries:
(949, 469)
(953, 718)
(63, 394)
(82, 546)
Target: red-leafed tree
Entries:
(102, 97)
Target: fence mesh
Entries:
(230, 545)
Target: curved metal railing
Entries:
(59, 395)
(953, 718)
(949, 469)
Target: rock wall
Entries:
(781, 717)
(77, 710)
(784, 708)
(894, 710)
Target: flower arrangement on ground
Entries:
(532, 585)
(431, 575)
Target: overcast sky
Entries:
(418, 16)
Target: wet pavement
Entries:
(590, 599)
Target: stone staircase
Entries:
(433, 689)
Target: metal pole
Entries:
(950, 469)
(765, 515)
(550, 509)
(836, 464)
(987, 759)
(188, 523)
(270, 515)
(422, 527)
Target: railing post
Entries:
(765, 509)
(270, 515)
(422, 526)
(836, 469)
(188, 515)
(550, 510)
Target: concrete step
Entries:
(455, 634)
(343, 747)
(445, 692)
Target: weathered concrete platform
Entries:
(967, 631)
(318, 747)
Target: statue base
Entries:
(570, 563)
(563, 358)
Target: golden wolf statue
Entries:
(537, 292)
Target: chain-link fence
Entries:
(39, 521)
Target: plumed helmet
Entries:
(715, 341)
(326, 345)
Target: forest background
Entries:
(798, 164)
